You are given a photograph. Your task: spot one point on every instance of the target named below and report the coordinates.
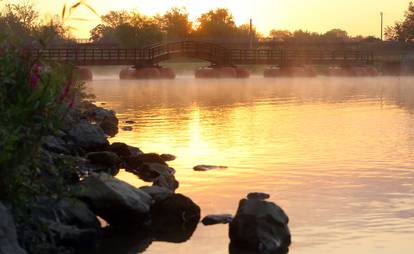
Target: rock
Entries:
(208, 167)
(167, 157)
(73, 237)
(127, 128)
(8, 236)
(109, 128)
(161, 175)
(175, 218)
(106, 119)
(88, 136)
(217, 219)
(76, 213)
(109, 160)
(136, 161)
(124, 150)
(258, 196)
(55, 144)
(167, 181)
(157, 193)
(177, 209)
(117, 202)
(260, 226)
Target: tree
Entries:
(218, 23)
(280, 35)
(335, 35)
(402, 31)
(129, 29)
(175, 24)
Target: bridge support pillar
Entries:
(222, 72)
(151, 72)
(83, 73)
(353, 71)
(287, 71)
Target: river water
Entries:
(337, 154)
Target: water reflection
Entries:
(335, 153)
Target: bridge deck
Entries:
(205, 51)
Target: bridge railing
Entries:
(206, 51)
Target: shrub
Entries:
(34, 96)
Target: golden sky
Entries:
(355, 16)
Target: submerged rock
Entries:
(208, 167)
(117, 202)
(127, 128)
(217, 219)
(8, 236)
(260, 226)
(167, 157)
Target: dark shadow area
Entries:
(236, 249)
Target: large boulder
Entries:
(260, 226)
(175, 218)
(157, 193)
(124, 150)
(106, 119)
(117, 202)
(108, 160)
(8, 236)
(87, 136)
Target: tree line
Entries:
(134, 29)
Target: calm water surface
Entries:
(337, 154)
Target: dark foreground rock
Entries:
(108, 160)
(157, 193)
(8, 237)
(175, 218)
(217, 219)
(117, 202)
(260, 226)
(88, 136)
(124, 150)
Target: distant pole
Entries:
(251, 33)
(382, 25)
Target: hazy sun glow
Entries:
(355, 16)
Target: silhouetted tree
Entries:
(216, 24)
(176, 24)
(402, 31)
(280, 35)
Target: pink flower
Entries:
(66, 90)
(71, 103)
(34, 81)
(35, 76)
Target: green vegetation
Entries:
(403, 31)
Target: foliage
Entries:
(34, 96)
(129, 29)
(402, 31)
(176, 24)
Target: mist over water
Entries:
(336, 153)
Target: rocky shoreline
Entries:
(94, 211)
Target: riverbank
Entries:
(87, 209)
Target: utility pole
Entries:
(251, 34)
(382, 25)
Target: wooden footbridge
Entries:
(211, 52)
